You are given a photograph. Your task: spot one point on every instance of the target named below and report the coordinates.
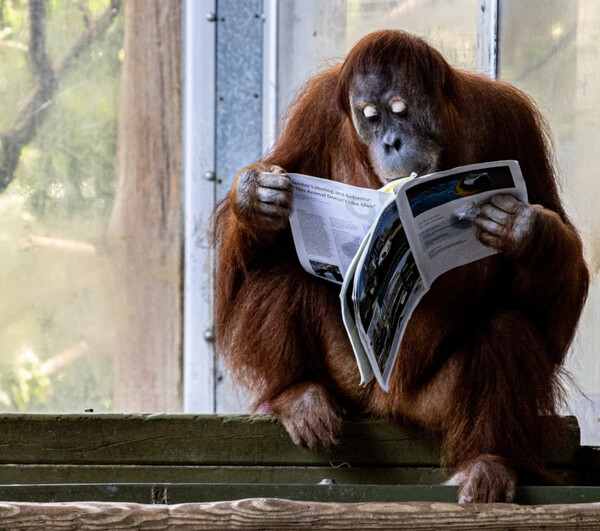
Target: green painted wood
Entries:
(556, 495)
(31, 474)
(184, 458)
(68, 474)
(190, 493)
(182, 439)
(215, 440)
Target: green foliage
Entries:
(54, 216)
(25, 383)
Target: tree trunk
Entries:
(144, 238)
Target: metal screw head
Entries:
(209, 336)
(209, 175)
(211, 16)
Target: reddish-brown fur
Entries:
(480, 358)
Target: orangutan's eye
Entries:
(369, 111)
(398, 106)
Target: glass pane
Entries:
(313, 35)
(555, 60)
(66, 309)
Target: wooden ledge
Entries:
(178, 459)
(271, 513)
(222, 440)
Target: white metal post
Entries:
(487, 37)
(199, 41)
(270, 68)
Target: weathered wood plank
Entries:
(213, 440)
(38, 474)
(207, 440)
(31, 474)
(285, 514)
(174, 493)
(192, 493)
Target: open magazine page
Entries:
(438, 213)
(329, 221)
(349, 317)
(387, 288)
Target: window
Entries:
(556, 62)
(58, 165)
(90, 205)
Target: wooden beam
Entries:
(177, 493)
(217, 440)
(201, 439)
(70, 474)
(284, 514)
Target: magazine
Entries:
(386, 247)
